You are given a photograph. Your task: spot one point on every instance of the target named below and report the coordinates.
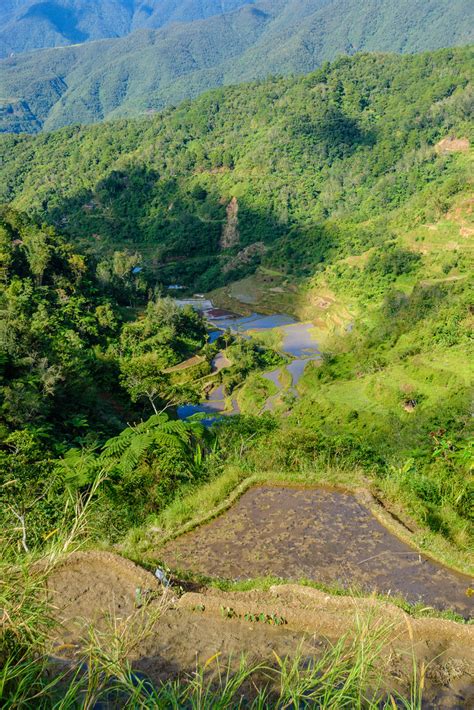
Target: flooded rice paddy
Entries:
(322, 535)
(214, 406)
(297, 343)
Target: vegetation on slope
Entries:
(148, 69)
(31, 24)
(337, 177)
(74, 372)
(340, 179)
(303, 170)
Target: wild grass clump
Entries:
(346, 675)
(26, 615)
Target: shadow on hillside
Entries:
(62, 19)
(331, 132)
(177, 227)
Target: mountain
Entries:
(287, 172)
(33, 24)
(344, 198)
(150, 69)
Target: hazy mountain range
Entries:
(33, 24)
(147, 69)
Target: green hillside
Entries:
(33, 24)
(343, 197)
(150, 69)
(307, 169)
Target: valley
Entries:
(236, 396)
(295, 340)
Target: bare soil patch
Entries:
(453, 145)
(192, 628)
(94, 586)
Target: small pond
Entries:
(318, 534)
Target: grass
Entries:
(418, 611)
(254, 293)
(434, 374)
(271, 338)
(343, 676)
(264, 584)
(252, 396)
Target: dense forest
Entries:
(76, 366)
(313, 164)
(148, 69)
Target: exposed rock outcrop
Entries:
(230, 233)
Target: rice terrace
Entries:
(236, 362)
(322, 535)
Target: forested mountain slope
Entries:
(288, 172)
(150, 69)
(35, 24)
(345, 195)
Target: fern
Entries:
(135, 452)
(133, 445)
(115, 447)
(154, 421)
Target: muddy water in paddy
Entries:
(323, 535)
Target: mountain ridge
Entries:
(332, 148)
(150, 69)
(28, 24)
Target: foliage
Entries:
(30, 489)
(55, 331)
(335, 175)
(144, 71)
(157, 437)
(317, 164)
(247, 357)
(65, 353)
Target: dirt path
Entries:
(318, 534)
(192, 628)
